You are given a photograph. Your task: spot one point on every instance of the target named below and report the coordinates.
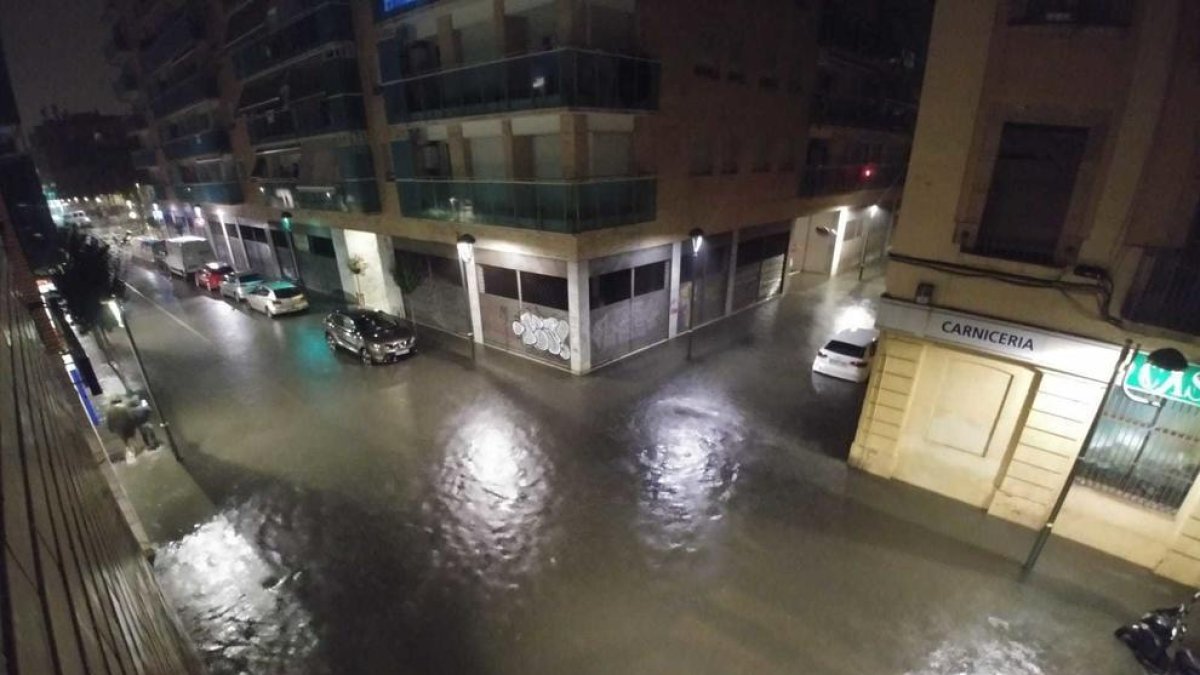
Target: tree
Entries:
(86, 276)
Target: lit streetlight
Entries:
(1167, 359)
(697, 238)
(466, 254)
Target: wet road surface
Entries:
(658, 516)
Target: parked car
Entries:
(78, 218)
(277, 297)
(210, 276)
(374, 336)
(148, 249)
(237, 284)
(847, 356)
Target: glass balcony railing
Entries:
(816, 181)
(180, 34)
(213, 193)
(331, 22)
(360, 195)
(198, 87)
(552, 79)
(882, 114)
(310, 118)
(144, 158)
(568, 207)
(208, 142)
(1166, 290)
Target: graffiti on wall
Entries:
(548, 334)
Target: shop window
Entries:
(231, 229)
(775, 245)
(609, 289)
(749, 252)
(544, 290)
(279, 238)
(1033, 180)
(500, 281)
(715, 260)
(322, 246)
(649, 278)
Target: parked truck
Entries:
(186, 255)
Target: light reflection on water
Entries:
(687, 467)
(243, 609)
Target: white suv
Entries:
(847, 356)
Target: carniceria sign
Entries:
(1183, 386)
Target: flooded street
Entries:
(658, 516)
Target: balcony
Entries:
(145, 158)
(818, 181)
(1166, 291)
(246, 19)
(879, 114)
(331, 22)
(211, 142)
(310, 99)
(312, 118)
(568, 207)
(180, 34)
(360, 195)
(199, 87)
(212, 193)
(554, 79)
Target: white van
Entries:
(147, 249)
(78, 218)
(186, 255)
(847, 355)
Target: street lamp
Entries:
(1167, 359)
(466, 254)
(697, 237)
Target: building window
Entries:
(762, 155)
(706, 56)
(250, 233)
(445, 270)
(609, 289)
(544, 290)
(1070, 12)
(1033, 180)
(500, 281)
(279, 238)
(729, 155)
(649, 278)
(322, 246)
(231, 229)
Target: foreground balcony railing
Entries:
(213, 193)
(830, 180)
(359, 195)
(553, 79)
(1166, 290)
(197, 88)
(311, 118)
(567, 206)
(884, 114)
(208, 142)
(328, 23)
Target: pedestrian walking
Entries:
(121, 421)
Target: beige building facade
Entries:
(578, 141)
(1049, 215)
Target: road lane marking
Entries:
(169, 313)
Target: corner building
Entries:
(1050, 214)
(578, 142)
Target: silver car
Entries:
(374, 336)
(277, 297)
(237, 285)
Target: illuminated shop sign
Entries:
(1183, 386)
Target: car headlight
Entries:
(376, 347)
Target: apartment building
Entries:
(351, 145)
(1050, 214)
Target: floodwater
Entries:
(659, 516)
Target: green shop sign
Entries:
(1183, 386)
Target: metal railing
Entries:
(558, 78)
(1166, 290)
(198, 87)
(311, 118)
(194, 145)
(562, 206)
(828, 180)
(360, 195)
(330, 22)
(885, 114)
(213, 193)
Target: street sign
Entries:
(1183, 386)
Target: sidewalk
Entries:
(164, 499)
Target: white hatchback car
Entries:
(277, 297)
(847, 356)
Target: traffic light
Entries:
(285, 221)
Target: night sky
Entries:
(53, 48)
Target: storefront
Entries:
(994, 413)
(523, 305)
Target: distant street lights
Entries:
(697, 238)
(1167, 359)
(466, 254)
